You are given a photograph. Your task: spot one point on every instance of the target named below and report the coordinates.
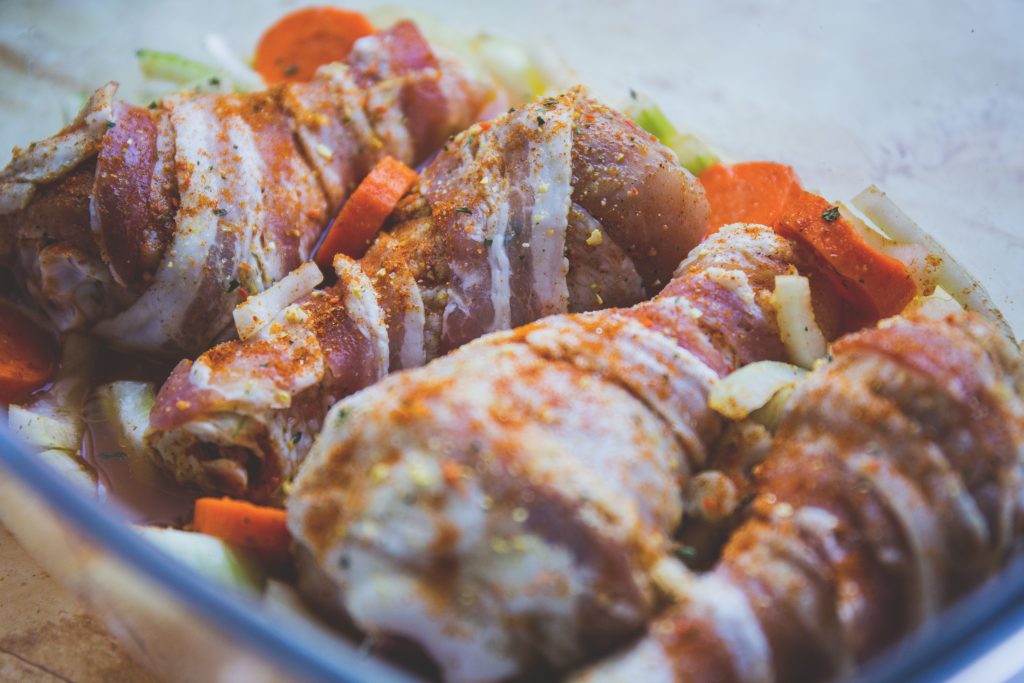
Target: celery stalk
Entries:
(167, 66)
(693, 155)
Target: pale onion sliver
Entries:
(740, 393)
(800, 333)
(915, 257)
(43, 431)
(242, 76)
(952, 276)
(258, 310)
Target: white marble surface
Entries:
(924, 98)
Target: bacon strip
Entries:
(506, 507)
(204, 195)
(485, 248)
(891, 488)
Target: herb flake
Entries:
(831, 214)
(296, 438)
(220, 212)
(685, 552)
(233, 285)
(541, 121)
(463, 209)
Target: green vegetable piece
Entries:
(693, 154)
(652, 119)
(167, 66)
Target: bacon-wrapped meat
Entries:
(143, 224)
(562, 205)
(893, 485)
(506, 506)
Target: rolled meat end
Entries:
(507, 507)
(891, 488)
(200, 197)
(491, 239)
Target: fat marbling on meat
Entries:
(500, 232)
(892, 487)
(507, 507)
(202, 197)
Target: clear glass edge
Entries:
(307, 655)
(968, 630)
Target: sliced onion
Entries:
(52, 423)
(740, 393)
(916, 257)
(242, 76)
(54, 418)
(44, 431)
(770, 414)
(800, 333)
(257, 311)
(950, 275)
(125, 407)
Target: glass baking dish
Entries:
(185, 628)
(175, 622)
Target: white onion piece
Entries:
(242, 76)
(951, 276)
(800, 333)
(923, 267)
(53, 422)
(44, 431)
(258, 310)
(770, 414)
(125, 406)
(740, 393)
(53, 419)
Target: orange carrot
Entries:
(875, 283)
(262, 530)
(28, 356)
(300, 42)
(365, 211)
(750, 192)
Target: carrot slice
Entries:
(262, 530)
(28, 356)
(749, 192)
(873, 282)
(302, 41)
(366, 210)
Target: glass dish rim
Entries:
(307, 655)
(949, 642)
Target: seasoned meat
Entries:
(491, 240)
(892, 487)
(507, 506)
(201, 197)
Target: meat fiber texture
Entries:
(510, 507)
(147, 225)
(562, 205)
(893, 486)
